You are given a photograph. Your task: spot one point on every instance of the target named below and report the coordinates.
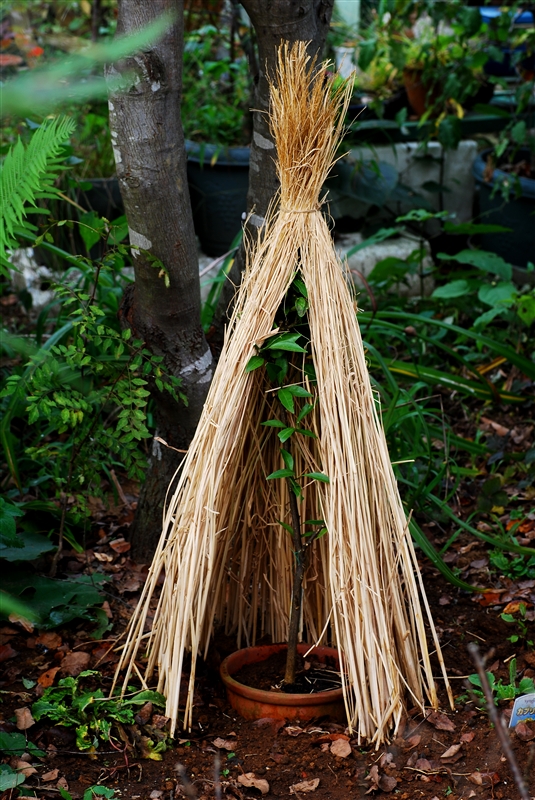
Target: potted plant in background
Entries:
(434, 49)
(505, 176)
(217, 125)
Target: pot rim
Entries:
(276, 698)
(527, 184)
(224, 155)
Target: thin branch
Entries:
(498, 722)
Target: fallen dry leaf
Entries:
(22, 767)
(373, 777)
(159, 721)
(250, 781)
(62, 784)
(107, 610)
(46, 679)
(225, 744)
(524, 732)
(341, 748)
(6, 652)
(49, 640)
(305, 786)
(387, 783)
(451, 751)
(423, 764)
(144, 713)
(467, 737)
(501, 430)
(50, 776)
(440, 721)
(120, 545)
(24, 718)
(514, 607)
(412, 742)
(484, 778)
(74, 663)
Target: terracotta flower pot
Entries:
(252, 703)
(418, 91)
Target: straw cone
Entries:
(226, 558)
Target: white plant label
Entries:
(523, 709)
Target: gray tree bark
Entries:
(274, 21)
(148, 143)
(149, 150)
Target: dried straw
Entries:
(226, 558)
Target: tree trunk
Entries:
(274, 21)
(148, 144)
(151, 166)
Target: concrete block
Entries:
(397, 247)
(418, 165)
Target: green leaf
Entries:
(483, 260)
(526, 309)
(301, 306)
(452, 289)
(285, 341)
(450, 132)
(305, 432)
(254, 363)
(280, 473)
(287, 399)
(471, 228)
(318, 476)
(503, 293)
(32, 545)
(519, 132)
(285, 526)
(288, 459)
(307, 408)
(300, 285)
(273, 423)
(285, 434)
(9, 779)
(298, 391)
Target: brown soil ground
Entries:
(452, 754)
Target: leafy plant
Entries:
(216, 89)
(521, 623)
(514, 568)
(26, 175)
(282, 357)
(14, 744)
(90, 793)
(91, 713)
(82, 394)
(501, 691)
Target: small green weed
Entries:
(93, 715)
(500, 690)
(521, 623)
(512, 567)
(90, 793)
(14, 744)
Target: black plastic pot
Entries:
(517, 213)
(218, 179)
(104, 197)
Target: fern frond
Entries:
(28, 174)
